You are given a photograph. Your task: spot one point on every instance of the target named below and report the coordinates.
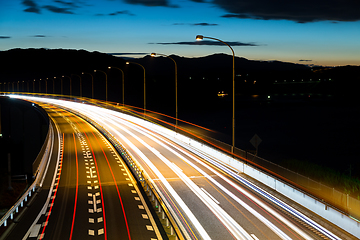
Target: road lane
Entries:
(277, 227)
(208, 200)
(94, 194)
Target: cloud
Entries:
(125, 12)
(39, 36)
(198, 24)
(152, 3)
(4, 37)
(64, 7)
(58, 9)
(206, 42)
(67, 4)
(305, 60)
(298, 11)
(31, 6)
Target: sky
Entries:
(313, 32)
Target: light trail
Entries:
(225, 218)
(77, 188)
(114, 121)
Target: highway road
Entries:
(207, 200)
(88, 191)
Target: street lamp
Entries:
(70, 85)
(176, 91)
(106, 84)
(53, 80)
(201, 37)
(92, 84)
(123, 85)
(144, 83)
(80, 84)
(46, 85)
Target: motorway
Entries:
(206, 200)
(88, 191)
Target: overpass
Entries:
(198, 193)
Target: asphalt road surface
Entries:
(88, 191)
(207, 200)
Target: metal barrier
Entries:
(41, 160)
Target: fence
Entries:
(38, 169)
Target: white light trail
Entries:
(104, 115)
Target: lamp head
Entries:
(109, 67)
(127, 63)
(199, 37)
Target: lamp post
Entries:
(80, 83)
(46, 85)
(123, 85)
(92, 84)
(40, 85)
(201, 37)
(34, 86)
(70, 85)
(53, 80)
(106, 84)
(176, 90)
(144, 83)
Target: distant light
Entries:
(153, 54)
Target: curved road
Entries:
(88, 191)
(207, 200)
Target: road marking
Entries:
(150, 228)
(101, 231)
(100, 219)
(253, 236)
(91, 220)
(145, 216)
(91, 232)
(137, 198)
(216, 201)
(41, 236)
(133, 191)
(94, 203)
(141, 206)
(35, 230)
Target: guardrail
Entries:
(41, 161)
(270, 174)
(166, 215)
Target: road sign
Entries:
(255, 141)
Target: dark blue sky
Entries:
(312, 32)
